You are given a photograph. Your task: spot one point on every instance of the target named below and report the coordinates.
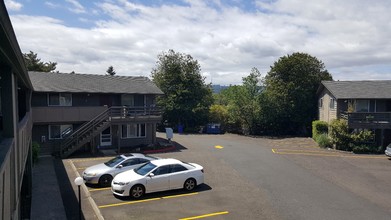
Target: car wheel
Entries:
(137, 191)
(190, 184)
(105, 180)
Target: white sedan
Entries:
(103, 173)
(158, 175)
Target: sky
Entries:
(227, 37)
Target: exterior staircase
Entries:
(85, 133)
(115, 114)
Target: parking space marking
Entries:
(90, 159)
(146, 200)
(205, 216)
(331, 154)
(100, 189)
(81, 168)
(127, 203)
(219, 147)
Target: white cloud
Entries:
(351, 37)
(77, 7)
(52, 4)
(13, 5)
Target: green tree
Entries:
(33, 63)
(187, 98)
(111, 71)
(243, 104)
(291, 86)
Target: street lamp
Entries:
(78, 182)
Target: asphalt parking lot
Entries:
(254, 178)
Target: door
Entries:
(105, 137)
(160, 181)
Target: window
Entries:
(332, 103)
(133, 130)
(320, 104)
(130, 162)
(59, 131)
(177, 168)
(362, 105)
(60, 99)
(162, 170)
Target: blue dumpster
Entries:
(213, 128)
(180, 129)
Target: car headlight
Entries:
(90, 174)
(123, 183)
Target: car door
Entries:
(178, 176)
(160, 180)
(126, 165)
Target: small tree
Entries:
(111, 71)
(339, 133)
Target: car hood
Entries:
(127, 176)
(99, 168)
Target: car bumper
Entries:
(91, 179)
(388, 153)
(119, 190)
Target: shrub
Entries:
(323, 140)
(339, 133)
(35, 151)
(319, 127)
(362, 149)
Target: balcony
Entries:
(118, 114)
(368, 120)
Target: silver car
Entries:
(104, 173)
(388, 150)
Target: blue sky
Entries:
(227, 37)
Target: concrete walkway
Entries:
(46, 201)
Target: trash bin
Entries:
(180, 129)
(169, 134)
(213, 128)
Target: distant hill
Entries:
(218, 88)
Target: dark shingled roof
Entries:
(376, 89)
(88, 83)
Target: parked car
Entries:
(158, 175)
(104, 173)
(388, 150)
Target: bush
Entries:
(319, 127)
(35, 151)
(362, 149)
(324, 141)
(339, 133)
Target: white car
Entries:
(158, 175)
(104, 173)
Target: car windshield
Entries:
(113, 162)
(144, 169)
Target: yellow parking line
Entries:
(307, 151)
(328, 155)
(219, 147)
(90, 159)
(146, 200)
(205, 216)
(127, 203)
(100, 189)
(180, 195)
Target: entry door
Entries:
(105, 137)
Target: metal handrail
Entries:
(107, 115)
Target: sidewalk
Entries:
(46, 201)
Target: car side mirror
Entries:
(151, 175)
(120, 166)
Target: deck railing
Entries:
(367, 118)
